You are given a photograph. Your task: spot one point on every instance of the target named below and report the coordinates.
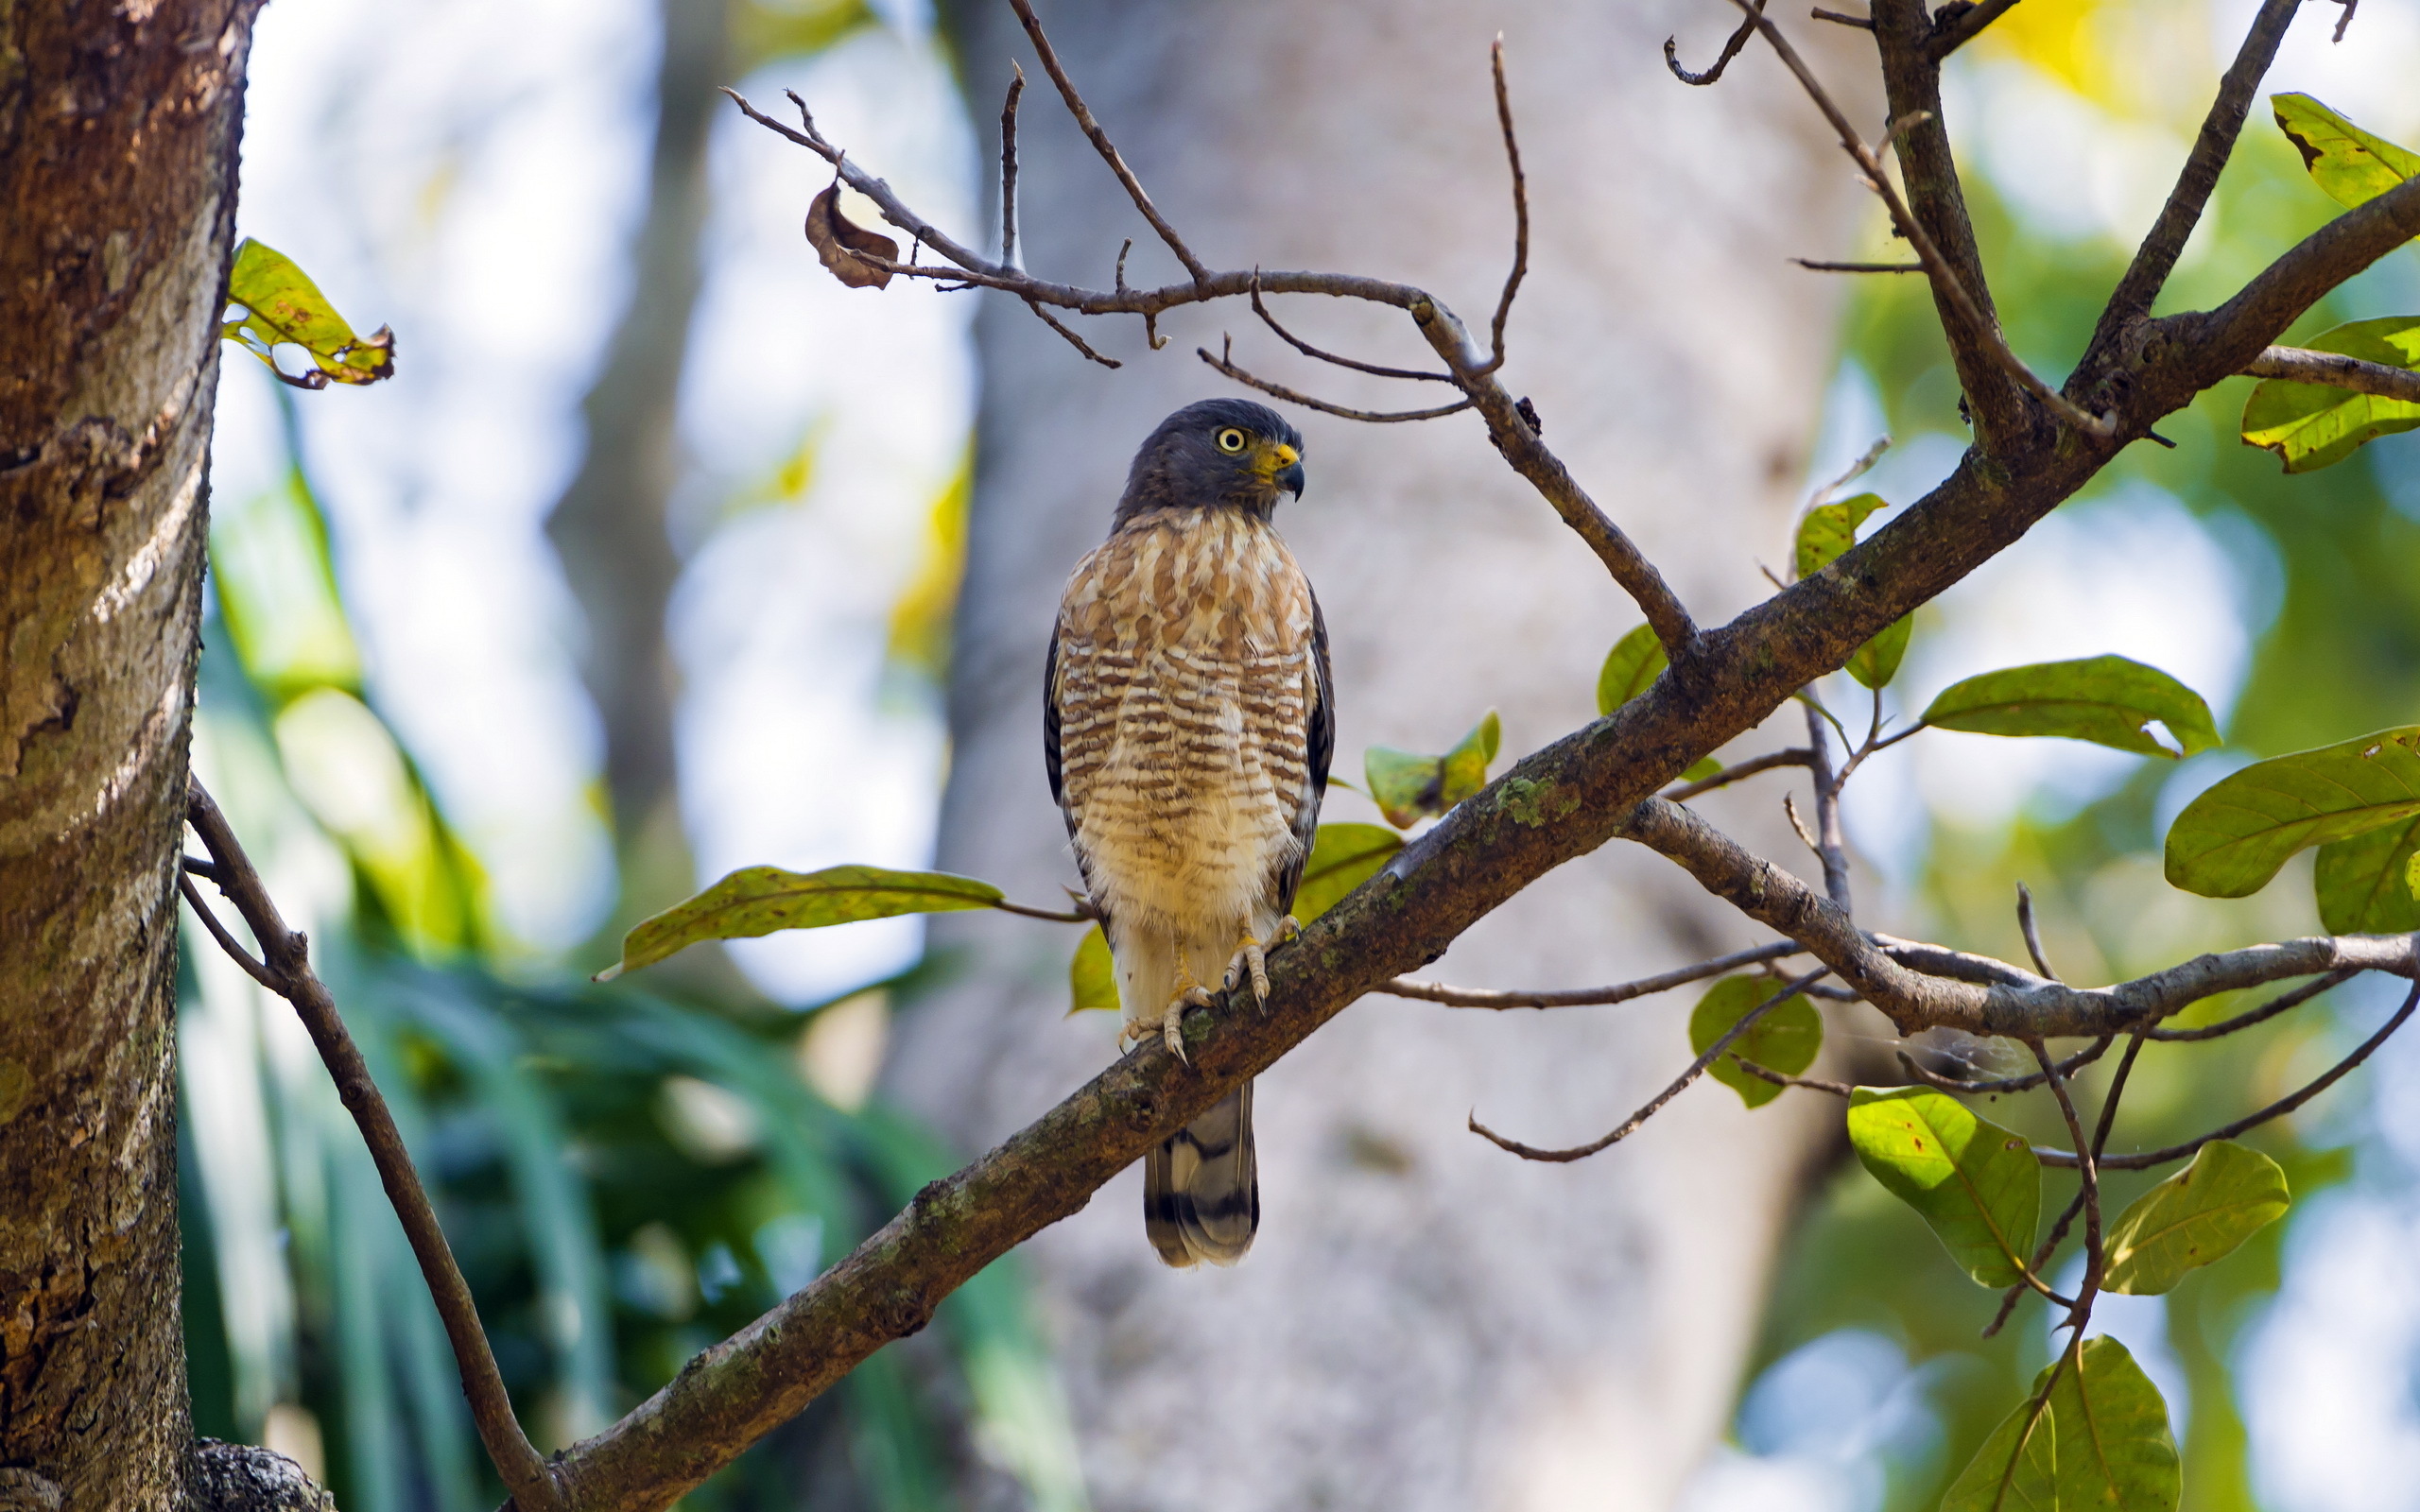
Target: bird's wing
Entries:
(1051, 720)
(1319, 747)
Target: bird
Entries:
(1188, 730)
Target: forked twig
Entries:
(1304, 347)
(284, 969)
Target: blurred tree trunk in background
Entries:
(610, 526)
(1425, 1322)
(118, 131)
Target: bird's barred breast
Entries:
(1185, 690)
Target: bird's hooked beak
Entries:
(1282, 466)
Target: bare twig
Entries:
(1831, 842)
(2145, 1159)
(1841, 18)
(1374, 416)
(2346, 19)
(1308, 350)
(1857, 267)
(1009, 170)
(2005, 1084)
(1074, 916)
(1108, 150)
(1813, 1084)
(2075, 1205)
(1520, 209)
(2266, 1011)
(2336, 371)
(2156, 256)
(286, 969)
(2095, 1257)
(1073, 340)
(1630, 1124)
(2032, 932)
(1945, 279)
(1730, 50)
(1462, 997)
(1794, 756)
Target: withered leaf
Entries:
(839, 241)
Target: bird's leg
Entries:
(1189, 994)
(1250, 958)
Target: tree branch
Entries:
(1794, 756)
(1226, 367)
(2336, 371)
(1730, 50)
(1520, 207)
(287, 970)
(1463, 997)
(1945, 40)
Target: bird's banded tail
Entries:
(1201, 1187)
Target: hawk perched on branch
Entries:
(1187, 728)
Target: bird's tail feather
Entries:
(1201, 1187)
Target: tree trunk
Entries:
(1425, 1322)
(118, 130)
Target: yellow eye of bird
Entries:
(1230, 440)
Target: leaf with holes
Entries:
(2015, 1470)
(1344, 856)
(2314, 426)
(1785, 1040)
(2106, 699)
(1405, 786)
(282, 306)
(2194, 1218)
(1827, 530)
(1091, 976)
(1976, 1183)
(762, 900)
(2366, 884)
(2230, 841)
(2114, 1448)
(2352, 166)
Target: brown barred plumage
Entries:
(1189, 740)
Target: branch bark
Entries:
(2336, 371)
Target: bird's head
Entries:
(1219, 454)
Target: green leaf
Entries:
(2015, 1470)
(1091, 976)
(2232, 839)
(761, 900)
(1405, 786)
(1876, 661)
(2314, 426)
(1699, 770)
(2113, 1443)
(2194, 1218)
(1977, 1184)
(281, 304)
(1344, 856)
(2106, 699)
(1785, 1039)
(1631, 668)
(1827, 530)
(2352, 166)
(2366, 884)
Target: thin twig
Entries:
(1009, 169)
(1697, 1068)
(226, 943)
(2033, 933)
(1462, 997)
(1308, 350)
(2346, 19)
(1730, 50)
(1944, 277)
(2336, 371)
(1520, 209)
(1794, 756)
(1813, 1084)
(288, 974)
(2268, 1010)
(1841, 18)
(1073, 916)
(1293, 396)
(1857, 267)
(2095, 1257)
(1965, 28)
(1072, 339)
(1108, 150)
(1831, 842)
(2145, 1159)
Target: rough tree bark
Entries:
(118, 131)
(1424, 1323)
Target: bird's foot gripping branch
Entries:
(1377, 904)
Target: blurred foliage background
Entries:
(393, 715)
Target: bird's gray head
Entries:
(1219, 454)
